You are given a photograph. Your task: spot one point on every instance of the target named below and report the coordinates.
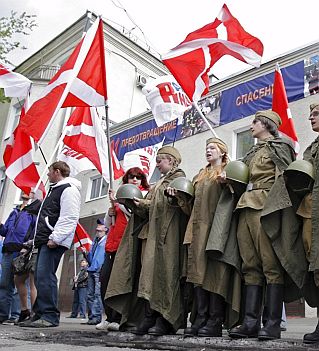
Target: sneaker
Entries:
(10, 321)
(24, 315)
(113, 326)
(27, 322)
(42, 323)
(103, 325)
(71, 316)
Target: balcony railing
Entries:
(45, 72)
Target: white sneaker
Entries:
(113, 326)
(103, 325)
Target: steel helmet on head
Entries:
(300, 176)
(182, 184)
(237, 171)
(125, 194)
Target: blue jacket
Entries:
(18, 228)
(96, 255)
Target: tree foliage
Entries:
(10, 29)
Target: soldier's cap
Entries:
(272, 115)
(313, 106)
(172, 151)
(216, 141)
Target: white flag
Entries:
(14, 84)
(76, 161)
(144, 158)
(166, 99)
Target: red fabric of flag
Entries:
(82, 240)
(18, 159)
(280, 105)
(191, 61)
(85, 135)
(118, 171)
(81, 81)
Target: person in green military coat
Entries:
(308, 210)
(268, 232)
(211, 278)
(163, 252)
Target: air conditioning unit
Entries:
(141, 80)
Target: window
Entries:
(99, 187)
(2, 184)
(13, 119)
(244, 142)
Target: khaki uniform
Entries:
(308, 210)
(259, 258)
(213, 275)
(161, 273)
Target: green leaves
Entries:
(11, 29)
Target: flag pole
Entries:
(194, 104)
(108, 138)
(50, 159)
(107, 132)
(74, 259)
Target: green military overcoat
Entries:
(161, 273)
(213, 275)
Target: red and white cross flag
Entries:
(166, 99)
(191, 60)
(14, 84)
(144, 158)
(85, 135)
(280, 105)
(18, 158)
(81, 81)
(82, 240)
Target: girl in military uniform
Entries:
(269, 249)
(162, 257)
(210, 278)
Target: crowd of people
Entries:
(223, 251)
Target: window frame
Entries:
(236, 132)
(90, 186)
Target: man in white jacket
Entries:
(57, 220)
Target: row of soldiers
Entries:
(226, 251)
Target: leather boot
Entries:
(214, 325)
(162, 327)
(251, 323)
(148, 322)
(312, 338)
(274, 298)
(202, 301)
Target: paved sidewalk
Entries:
(71, 332)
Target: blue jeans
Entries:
(94, 296)
(7, 305)
(46, 282)
(79, 302)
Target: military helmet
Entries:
(300, 176)
(182, 184)
(125, 194)
(237, 171)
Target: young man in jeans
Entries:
(57, 220)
